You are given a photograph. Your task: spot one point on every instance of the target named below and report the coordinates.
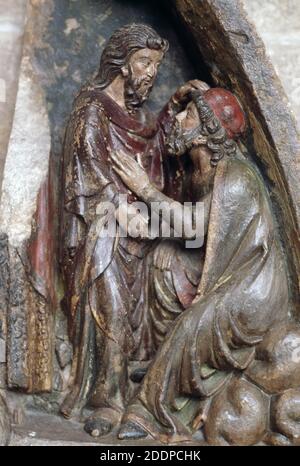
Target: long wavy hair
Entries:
(121, 45)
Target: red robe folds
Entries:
(100, 271)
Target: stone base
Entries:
(38, 429)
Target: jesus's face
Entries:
(140, 74)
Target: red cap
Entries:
(228, 110)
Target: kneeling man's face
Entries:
(189, 118)
(186, 129)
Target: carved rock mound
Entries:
(238, 415)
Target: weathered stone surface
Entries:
(277, 22)
(4, 287)
(53, 73)
(64, 353)
(12, 19)
(238, 415)
(277, 364)
(2, 351)
(48, 403)
(24, 208)
(43, 429)
(58, 382)
(5, 427)
(27, 160)
(2, 376)
(29, 335)
(287, 415)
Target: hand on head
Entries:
(182, 95)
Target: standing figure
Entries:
(100, 270)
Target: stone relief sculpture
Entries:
(168, 339)
(242, 291)
(107, 116)
(149, 281)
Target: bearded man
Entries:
(243, 290)
(100, 270)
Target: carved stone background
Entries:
(278, 23)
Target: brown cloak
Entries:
(243, 292)
(100, 274)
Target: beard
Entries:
(136, 91)
(179, 142)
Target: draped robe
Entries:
(100, 271)
(242, 293)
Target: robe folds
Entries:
(100, 270)
(242, 293)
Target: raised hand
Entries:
(181, 96)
